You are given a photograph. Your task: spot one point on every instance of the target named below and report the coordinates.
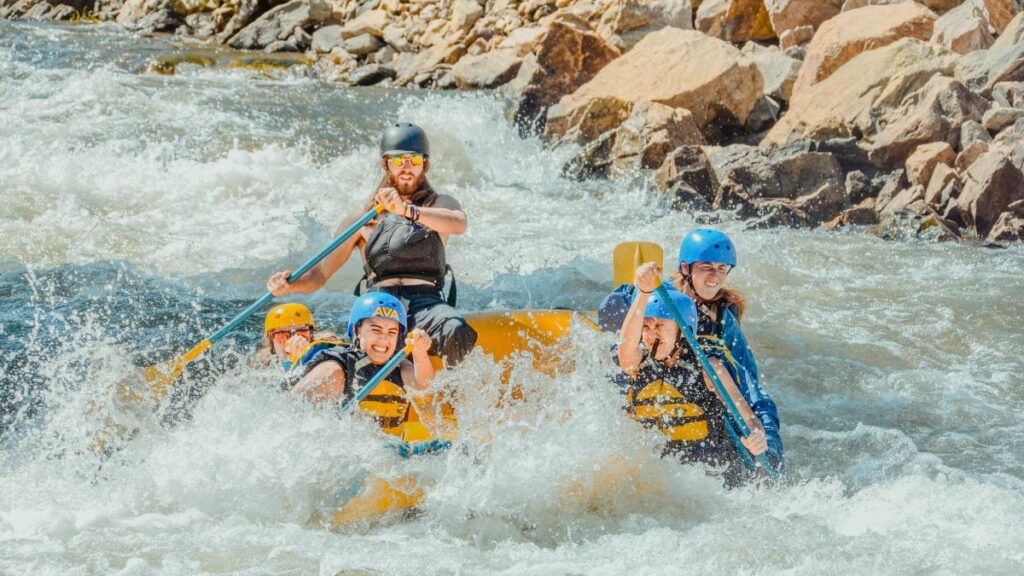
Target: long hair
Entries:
(727, 295)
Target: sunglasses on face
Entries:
(399, 161)
(282, 336)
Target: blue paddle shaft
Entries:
(715, 380)
(380, 375)
(306, 267)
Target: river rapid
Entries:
(139, 212)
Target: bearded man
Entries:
(403, 250)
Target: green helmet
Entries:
(404, 138)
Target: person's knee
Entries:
(457, 339)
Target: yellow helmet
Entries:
(291, 314)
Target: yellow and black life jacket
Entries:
(387, 402)
(677, 402)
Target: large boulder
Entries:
(687, 173)
(788, 15)
(852, 101)
(626, 22)
(998, 13)
(678, 68)
(1009, 228)
(486, 70)
(934, 113)
(734, 20)
(279, 23)
(963, 29)
(991, 184)
(1002, 62)
(651, 132)
(568, 55)
(372, 22)
(792, 187)
(842, 38)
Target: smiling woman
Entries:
(140, 212)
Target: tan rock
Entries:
(969, 154)
(523, 40)
(486, 70)
(940, 179)
(851, 101)
(1008, 228)
(370, 22)
(903, 200)
(688, 166)
(787, 15)
(925, 158)
(991, 184)
(934, 113)
(652, 131)
(851, 33)
(569, 55)
(963, 29)
(999, 13)
(734, 20)
(626, 22)
(678, 68)
(1013, 34)
(465, 13)
(796, 36)
(937, 6)
(426, 61)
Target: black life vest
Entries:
(678, 403)
(400, 248)
(387, 402)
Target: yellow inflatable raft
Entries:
(540, 334)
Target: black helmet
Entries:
(404, 138)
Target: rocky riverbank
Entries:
(900, 115)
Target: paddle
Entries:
(161, 377)
(730, 406)
(380, 375)
(628, 256)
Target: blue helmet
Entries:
(657, 309)
(377, 305)
(707, 245)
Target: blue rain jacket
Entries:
(613, 311)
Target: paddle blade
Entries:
(160, 377)
(628, 256)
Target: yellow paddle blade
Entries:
(160, 377)
(628, 256)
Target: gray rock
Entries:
(972, 131)
(280, 22)
(790, 172)
(326, 39)
(1009, 94)
(858, 187)
(371, 74)
(363, 44)
(996, 119)
(983, 69)
(688, 166)
(1009, 228)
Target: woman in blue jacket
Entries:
(706, 257)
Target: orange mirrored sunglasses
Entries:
(399, 161)
(282, 336)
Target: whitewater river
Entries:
(138, 212)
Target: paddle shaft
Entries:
(380, 375)
(730, 406)
(298, 273)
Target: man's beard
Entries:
(403, 188)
